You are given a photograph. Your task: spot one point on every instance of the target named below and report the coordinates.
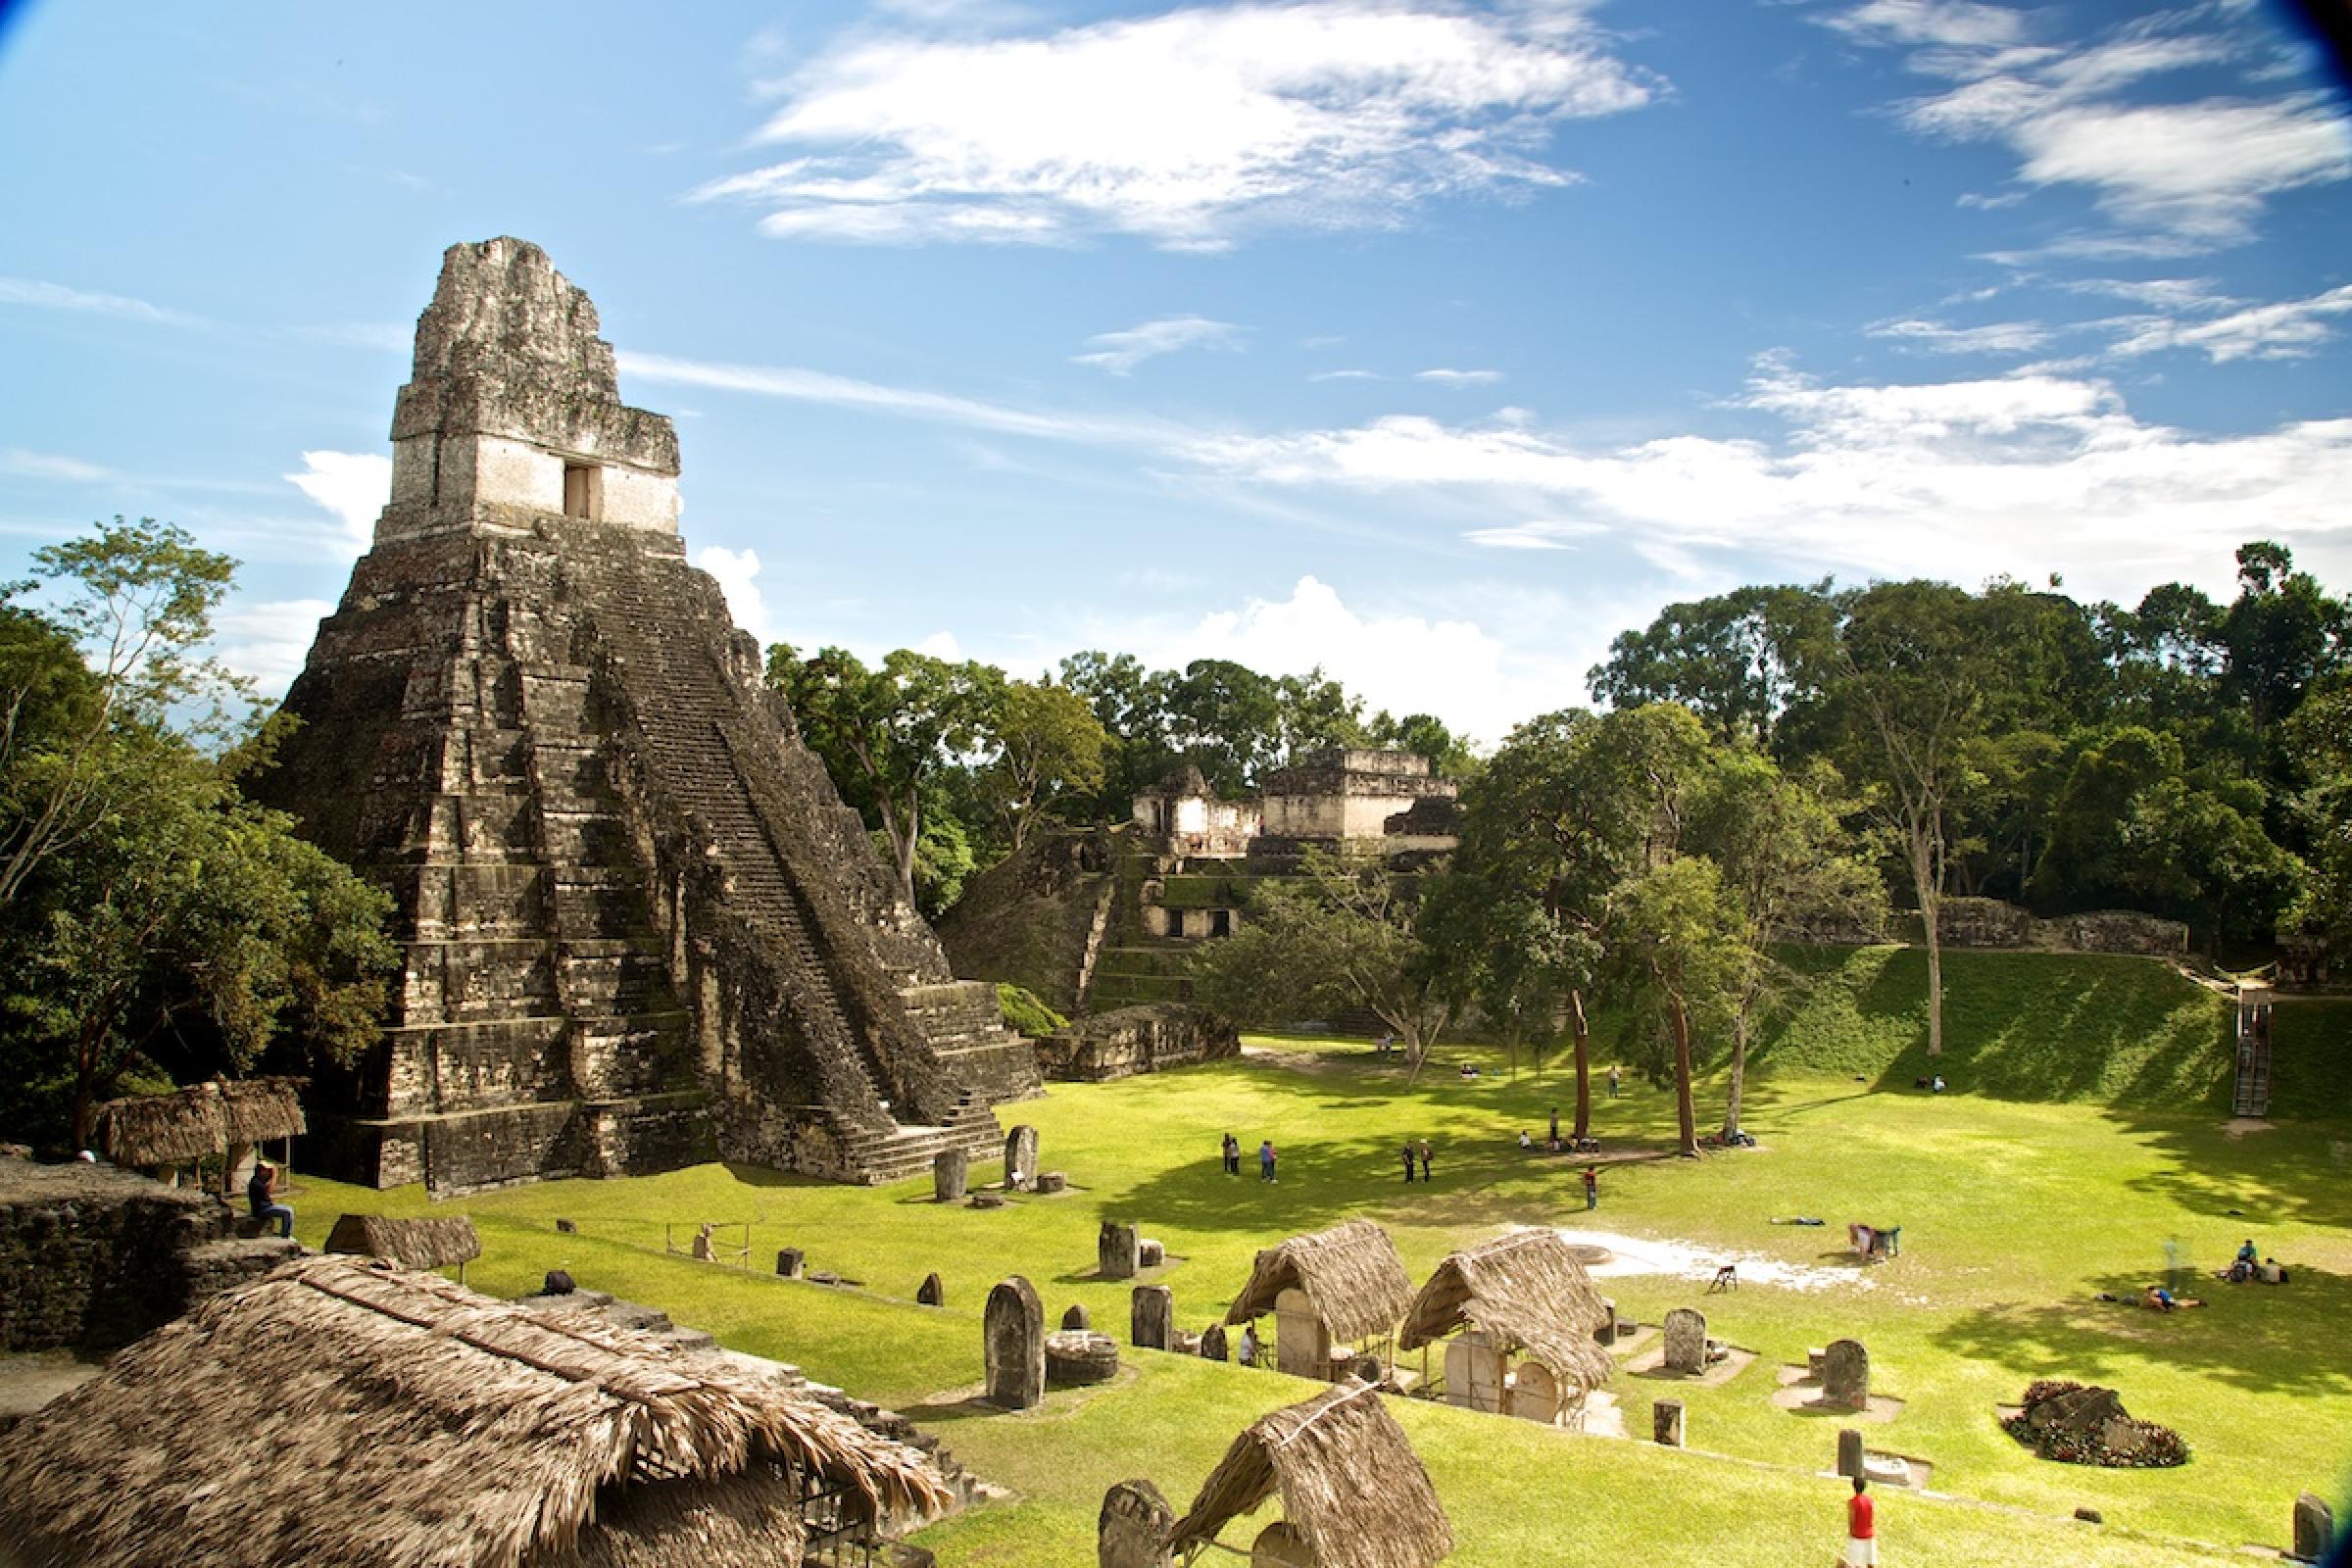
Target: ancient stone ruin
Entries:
(1119, 1251)
(1076, 1357)
(2081, 1424)
(1686, 1341)
(1151, 1318)
(639, 925)
(1845, 1376)
(950, 1169)
(1132, 1531)
(1666, 1422)
(1020, 1159)
(2315, 1528)
(1014, 1325)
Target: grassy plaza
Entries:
(2016, 1213)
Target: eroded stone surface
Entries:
(1685, 1341)
(1132, 1531)
(1845, 1375)
(1151, 1318)
(1014, 1325)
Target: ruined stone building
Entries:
(640, 928)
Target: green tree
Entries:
(2319, 740)
(1425, 735)
(136, 601)
(1131, 703)
(1228, 720)
(2282, 633)
(1786, 862)
(887, 733)
(1048, 747)
(1736, 659)
(1679, 942)
(1344, 934)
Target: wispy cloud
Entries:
(268, 640)
(1121, 353)
(50, 465)
(1540, 534)
(1449, 378)
(1936, 337)
(2176, 173)
(1346, 375)
(2290, 329)
(1189, 130)
(39, 295)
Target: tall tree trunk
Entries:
(1580, 1034)
(1686, 1114)
(1739, 1086)
(1931, 908)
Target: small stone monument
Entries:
(1666, 1422)
(791, 1262)
(1016, 1328)
(1133, 1529)
(566, 1228)
(1075, 1358)
(1075, 1317)
(701, 1244)
(1850, 1455)
(1053, 1181)
(949, 1169)
(1212, 1343)
(1607, 1332)
(931, 1292)
(1116, 1250)
(1686, 1341)
(2315, 1528)
(558, 1283)
(1020, 1159)
(1845, 1375)
(1151, 1318)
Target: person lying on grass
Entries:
(2164, 1300)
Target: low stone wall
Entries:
(1150, 1038)
(1992, 923)
(91, 1257)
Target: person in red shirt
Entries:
(1861, 1527)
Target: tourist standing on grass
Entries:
(1231, 1149)
(1265, 1160)
(1861, 1527)
(1555, 1126)
(1408, 1162)
(1592, 1188)
(1615, 1077)
(1424, 1159)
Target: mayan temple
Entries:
(640, 926)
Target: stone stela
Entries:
(1014, 1325)
(639, 928)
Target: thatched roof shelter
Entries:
(175, 1129)
(340, 1410)
(261, 1110)
(1526, 1291)
(410, 1242)
(1351, 1273)
(187, 1124)
(1351, 1484)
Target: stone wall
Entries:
(1992, 923)
(1150, 1038)
(90, 1256)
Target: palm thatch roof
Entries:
(263, 1109)
(341, 1410)
(201, 1119)
(1527, 1292)
(1350, 1272)
(1351, 1484)
(164, 1129)
(411, 1243)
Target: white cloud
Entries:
(1449, 378)
(1187, 128)
(2192, 171)
(738, 574)
(941, 645)
(1935, 337)
(269, 640)
(2288, 331)
(352, 485)
(58, 297)
(2023, 474)
(1540, 534)
(50, 465)
(1346, 375)
(1405, 663)
(2159, 293)
(1121, 352)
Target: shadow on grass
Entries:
(2291, 1174)
(2267, 1339)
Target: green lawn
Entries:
(2015, 1213)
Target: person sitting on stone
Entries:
(260, 1190)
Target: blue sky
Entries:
(1434, 343)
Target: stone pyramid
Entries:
(640, 927)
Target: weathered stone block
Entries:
(2314, 1528)
(949, 1169)
(1132, 1531)
(1845, 1376)
(930, 1292)
(1851, 1452)
(1020, 1159)
(1151, 1318)
(1014, 1325)
(1686, 1341)
(1666, 1422)
(1117, 1252)
(1075, 1317)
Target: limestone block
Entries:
(1053, 1181)
(1212, 1343)
(1845, 1375)
(931, 1292)
(1666, 1422)
(949, 1169)
(1075, 1358)
(1150, 1254)
(1851, 1457)
(1117, 1252)
(1685, 1341)
(1020, 1159)
(1075, 1317)
(791, 1262)
(1132, 1531)
(2315, 1528)
(1151, 1318)
(1015, 1326)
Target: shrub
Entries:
(1026, 1013)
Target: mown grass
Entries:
(2014, 1214)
